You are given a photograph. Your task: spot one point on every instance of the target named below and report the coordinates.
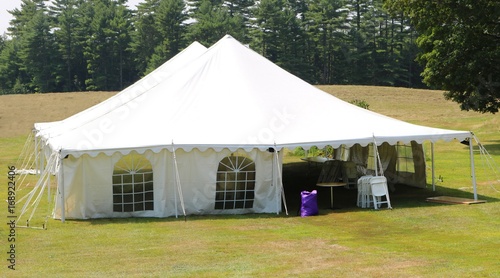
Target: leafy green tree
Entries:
(39, 52)
(293, 40)
(70, 41)
(242, 10)
(170, 20)
(17, 79)
(23, 15)
(212, 20)
(107, 41)
(3, 39)
(460, 44)
(12, 78)
(102, 45)
(279, 35)
(120, 25)
(35, 44)
(326, 26)
(268, 21)
(145, 37)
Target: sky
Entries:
(7, 5)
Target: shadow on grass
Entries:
(298, 177)
(105, 221)
(493, 147)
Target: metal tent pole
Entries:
(61, 188)
(432, 163)
(375, 154)
(178, 185)
(472, 168)
(279, 180)
(175, 181)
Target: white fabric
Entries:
(231, 97)
(90, 195)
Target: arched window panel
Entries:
(133, 184)
(405, 161)
(235, 187)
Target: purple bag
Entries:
(309, 204)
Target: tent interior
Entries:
(401, 163)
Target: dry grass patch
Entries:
(20, 112)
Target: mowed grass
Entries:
(415, 239)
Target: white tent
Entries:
(51, 129)
(206, 139)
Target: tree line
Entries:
(84, 45)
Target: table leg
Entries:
(331, 197)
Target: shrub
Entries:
(361, 103)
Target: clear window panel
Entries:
(239, 204)
(133, 184)
(128, 198)
(117, 199)
(235, 183)
(128, 207)
(138, 206)
(148, 206)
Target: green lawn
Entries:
(415, 239)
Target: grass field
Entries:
(415, 239)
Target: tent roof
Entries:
(231, 97)
(152, 79)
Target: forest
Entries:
(90, 45)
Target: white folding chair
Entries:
(349, 174)
(364, 192)
(379, 189)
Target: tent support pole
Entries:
(375, 163)
(472, 168)
(175, 183)
(42, 156)
(432, 168)
(279, 180)
(61, 188)
(37, 169)
(275, 181)
(178, 185)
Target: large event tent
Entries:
(205, 137)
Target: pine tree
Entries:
(107, 40)
(120, 25)
(145, 37)
(212, 20)
(36, 49)
(169, 22)
(39, 52)
(327, 27)
(70, 42)
(279, 36)
(12, 79)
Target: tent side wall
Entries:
(391, 159)
(88, 184)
